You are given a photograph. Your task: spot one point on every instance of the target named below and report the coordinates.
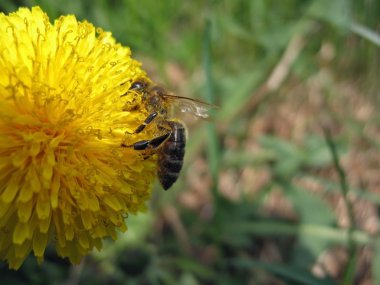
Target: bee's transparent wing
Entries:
(187, 105)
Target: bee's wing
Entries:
(197, 108)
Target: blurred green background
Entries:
(282, 186)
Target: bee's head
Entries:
(138, 86)
(152, 95)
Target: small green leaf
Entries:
(310, 207)
(337, 12)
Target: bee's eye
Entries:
(137, 85)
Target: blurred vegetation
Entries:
(282, 188)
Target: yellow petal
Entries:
(43, 208)
(21, 233)
(25, 211)
(39, 243)
(113, 202)
(12, 188)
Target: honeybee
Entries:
(171, 141)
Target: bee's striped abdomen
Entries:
(171, 154)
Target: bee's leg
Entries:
(146, 122)
(149, 144)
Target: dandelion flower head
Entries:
(64, 179)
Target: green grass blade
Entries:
(213, 147)
(288, 272)
(365, 33)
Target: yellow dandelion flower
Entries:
(64, 179)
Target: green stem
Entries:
(352, 247)
(316, 231)
(213, 145)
